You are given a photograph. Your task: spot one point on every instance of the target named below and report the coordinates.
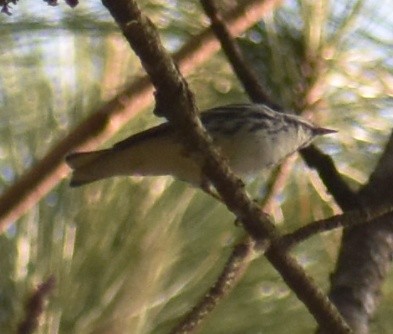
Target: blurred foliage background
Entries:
(131, 255)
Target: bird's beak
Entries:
(323, 131)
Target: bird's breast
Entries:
(249, 152)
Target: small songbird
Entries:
(252, 137)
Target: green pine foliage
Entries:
(132, 255)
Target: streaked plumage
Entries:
(253, 137)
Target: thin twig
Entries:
(35, 306)
(233, 271)
(347, 219)
(232, 50)
(330, 176)
(275, 184)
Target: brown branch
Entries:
(232, 50)
(330, 176)
(345, 220)
(296, 279)
(233, 271)
(360, 242)
(275, 184)
(103, 123)
(35, 306)
(366, 252)
(312, 155)
(170, 85)
(240, 259)
(177, 103)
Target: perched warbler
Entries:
(252, 137)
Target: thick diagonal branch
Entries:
(104, 122)
(142, 36)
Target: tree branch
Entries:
(104, 122)
(233, 271)
(232, 50)
(176, 102)
(366, 252)
(330, 176)
(312, 155)
(348, 219)
(140, 33)
(35, 306)
(240, 258)
(231, 274)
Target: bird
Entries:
(252, 137)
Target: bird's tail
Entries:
(89, 166)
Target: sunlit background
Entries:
(131, 255)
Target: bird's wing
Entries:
(154, 132)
